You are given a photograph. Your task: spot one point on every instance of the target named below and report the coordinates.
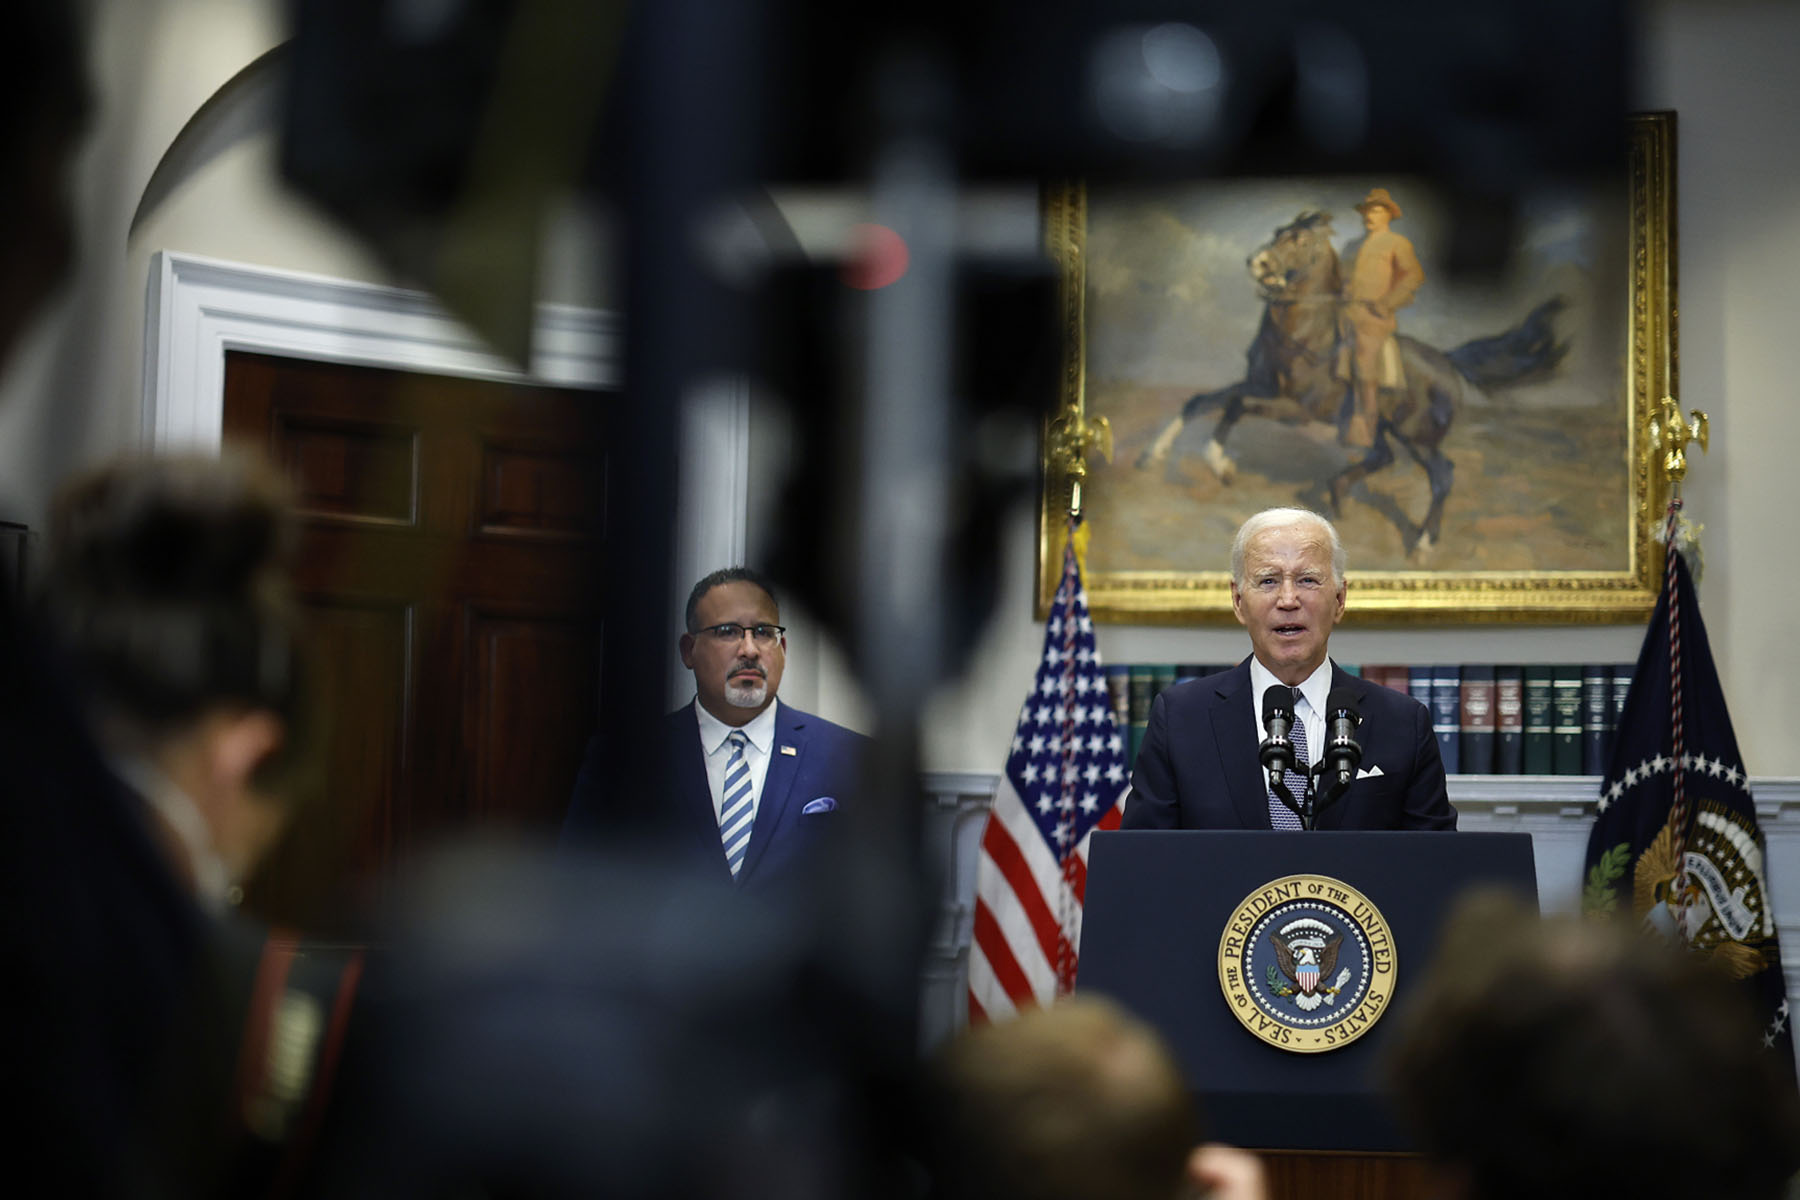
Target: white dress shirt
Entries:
(760, 729)
(1309, 709)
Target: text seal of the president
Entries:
(1307, 963)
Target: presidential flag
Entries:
(1065, 777)
(1675, 846)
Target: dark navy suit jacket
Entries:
(814, 764)
(1198, 769)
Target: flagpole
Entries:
(1066, 781)
(1072, 437)
(1670, 434)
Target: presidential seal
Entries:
(1307, 963)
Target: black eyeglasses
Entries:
(731, 631)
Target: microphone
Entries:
(1276, 752)
(1343, 753)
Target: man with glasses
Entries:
(1199, 768)
(755, 782)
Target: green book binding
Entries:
(1539, 725)
(1162, 678)
(1566, 721)
(1141, 692)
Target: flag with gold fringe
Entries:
(1675, 845)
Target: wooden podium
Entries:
(1157, 909)
(1344, 1175)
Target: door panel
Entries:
(361, 650)
(357, 474)
(453, 534)
(514, 659)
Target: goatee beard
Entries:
(746, 695)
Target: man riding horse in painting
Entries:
(1326, 350)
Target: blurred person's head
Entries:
(1561, 1057)
(734, 644)
(1076, 1101)
(170, 589)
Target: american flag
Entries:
(1065, 777)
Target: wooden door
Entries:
(452, 543)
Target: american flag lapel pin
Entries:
(789, 751)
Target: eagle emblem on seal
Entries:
(1306, 949)
(1723, 910)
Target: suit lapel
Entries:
(693, 792)
(778, 786)
(1237, 751)
(1356, 684)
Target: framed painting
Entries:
(1481, 443)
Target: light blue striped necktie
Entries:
(735, 811)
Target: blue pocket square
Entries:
(823, 804)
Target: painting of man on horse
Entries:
(1327, 352)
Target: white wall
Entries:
(1727, 70)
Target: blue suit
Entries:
(814, 765)
(1198, 768)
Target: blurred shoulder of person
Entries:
(170, 596)
(1563, 1057)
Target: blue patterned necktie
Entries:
(1280, 815)
(735, 811)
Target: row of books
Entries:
(1489, 719)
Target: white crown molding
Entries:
(200, 308)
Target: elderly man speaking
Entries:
(1199, 767)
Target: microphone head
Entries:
(1278, 701)
(1341, 701)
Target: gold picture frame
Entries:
(1560, 505)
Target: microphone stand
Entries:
(1331, 793)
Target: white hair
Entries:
(1281, 518)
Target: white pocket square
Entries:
(1368, 772)
(823, 804)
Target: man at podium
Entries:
(1201, 764)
